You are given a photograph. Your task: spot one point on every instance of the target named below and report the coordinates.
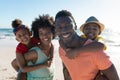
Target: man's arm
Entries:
(66, 73)
(111, 73)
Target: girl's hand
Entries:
(49, 63)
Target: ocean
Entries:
(111, 37)
(6, 33)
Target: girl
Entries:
(23, 36)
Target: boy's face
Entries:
(23, 36)
(91, 30)
(64, 28)
(45, 35)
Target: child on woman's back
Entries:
(23, 36)
(37, 60)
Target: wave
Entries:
(111, 37)
(6, 33)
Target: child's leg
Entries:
(15, 65)
(21, 76)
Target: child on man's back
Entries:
(91, 29)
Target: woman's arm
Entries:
(29, 56)
(66, 73)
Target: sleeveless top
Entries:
(42, 73)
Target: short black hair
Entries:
(16, 23)
(44, 21)
(63, 13)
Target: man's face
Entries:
(64, 28)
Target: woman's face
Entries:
(64, 28)
(45, 35)
(91, 30)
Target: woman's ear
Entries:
(56, 32)
(30, 33)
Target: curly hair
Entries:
(44, 21)
(63, 13)
(16, 23)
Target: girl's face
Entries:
(91, 30)
(64, 28)
(23, 36)
(45, 35)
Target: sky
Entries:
(106, 11)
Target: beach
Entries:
(7, 54)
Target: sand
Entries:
(7, 54)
